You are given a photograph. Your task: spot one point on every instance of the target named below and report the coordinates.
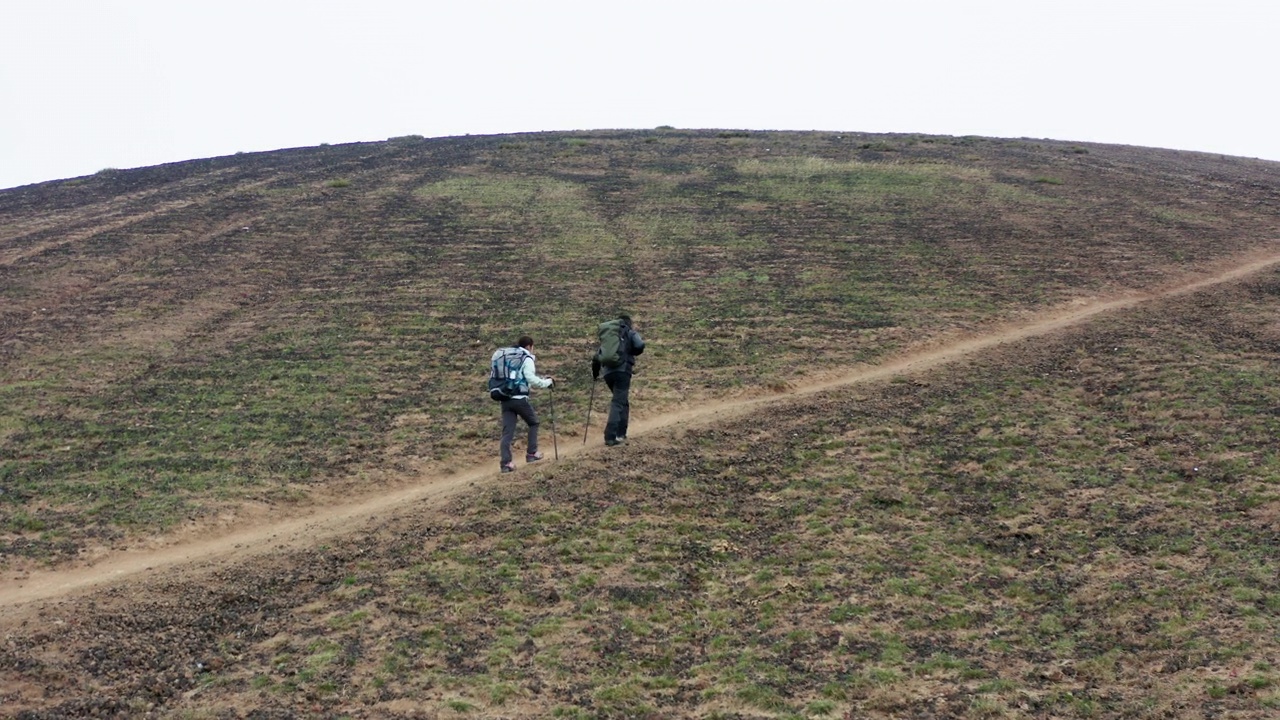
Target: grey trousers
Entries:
(512, 410)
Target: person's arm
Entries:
(637, 343)
(531, 374)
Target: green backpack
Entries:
(610, 334)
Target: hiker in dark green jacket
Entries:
(617, 374)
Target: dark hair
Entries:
(625, 318)
(524, 341)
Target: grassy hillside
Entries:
(249, 328)
(1080, 525)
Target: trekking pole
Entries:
(552, 399)
(590, 402)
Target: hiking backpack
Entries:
(611, 352)
(504, 373)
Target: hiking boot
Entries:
(622, 438)
(611, 443)
(535, 457)
(508, 467)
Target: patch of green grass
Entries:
(459, 705)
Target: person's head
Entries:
(525, 342)
(625, 318)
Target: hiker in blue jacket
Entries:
(518, 363)
(618, 379)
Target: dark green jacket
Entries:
(632, 345)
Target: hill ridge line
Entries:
(250, 539)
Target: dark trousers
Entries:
(511, 411)
(620, 406)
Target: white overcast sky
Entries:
(93, 84)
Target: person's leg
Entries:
(508, 432)
(611, 423)
(525, 410)
(622, 386)
(619, 383)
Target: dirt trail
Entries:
(268, 533)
